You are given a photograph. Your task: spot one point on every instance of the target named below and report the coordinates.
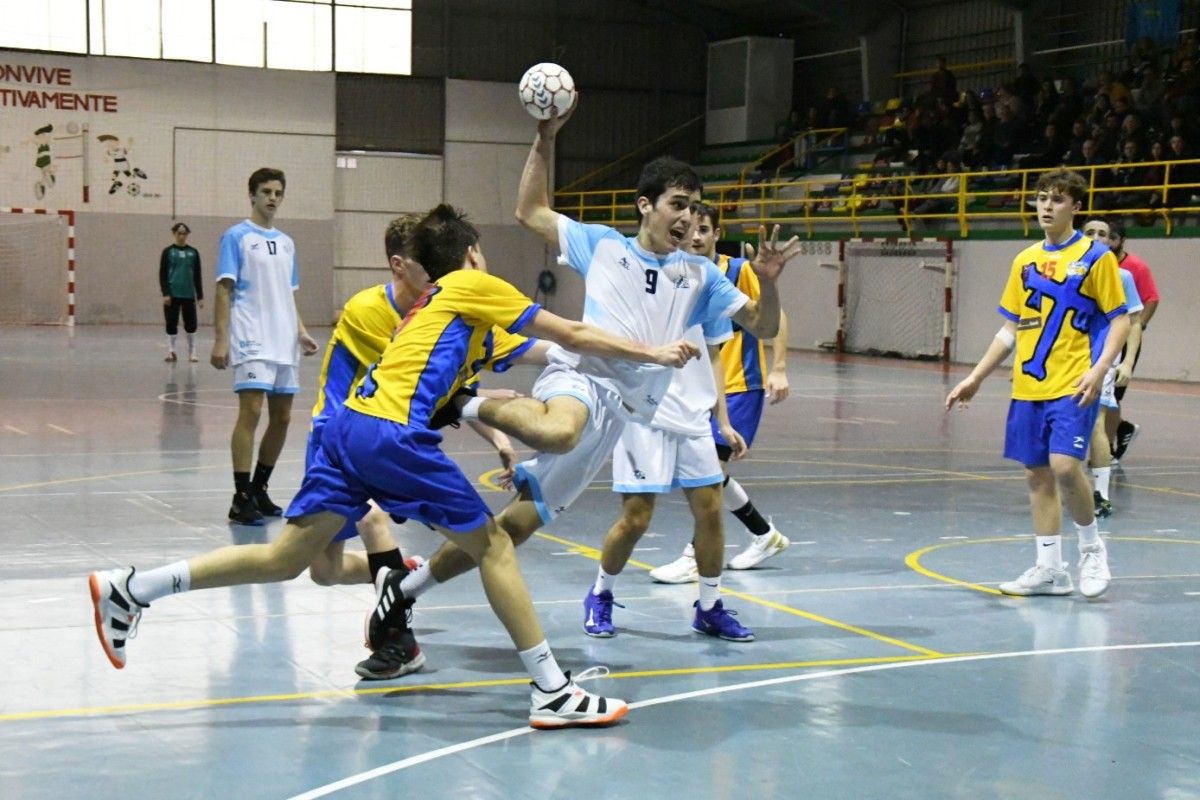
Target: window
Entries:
(374, 40)
(59, 25)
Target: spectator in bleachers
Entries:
(970, 144)
(833, 111)
(1178, 126)
(1101, 108)
(1048, 151)
(896, 142)
(1045, 103)
(1012, 137)
(942, 83)
(930, 140)
(1079, 135)
(1127, 177)
(1188, 49)
(1182, 91)
(1133, 129)
(1086, 157)
(949, 166)
(1148, 96)
(1070, 103)
(1177, 150)
(1026, 85)
(1005, 96)
(1109, 85)
(1106, 136)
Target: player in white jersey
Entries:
(260, 334)
(642, 287)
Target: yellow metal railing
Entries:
(870, 199)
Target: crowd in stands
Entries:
(1146, 112)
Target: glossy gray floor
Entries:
(885, 666)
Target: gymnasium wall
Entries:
(196, 132)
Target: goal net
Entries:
(895, 297)
(36, 269)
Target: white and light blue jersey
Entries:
(263, 323)
(1133, 302)
(686, 406)
(634, 293)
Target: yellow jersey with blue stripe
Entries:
(363, 331)
(1061, 298)
(443, 342)
(743, 358)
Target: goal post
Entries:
(896, 297)
(37, 266)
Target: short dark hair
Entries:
(264, 174)
(1116, 225)
(665, 173)
(1065, 181)
(701, 209)
(180, 226)
(397, 239)
(441, 239)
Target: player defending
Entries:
(259, 333)
(380, 447)
(1062, 295)
(741, 370)
(643, 287)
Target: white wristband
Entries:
(1007, 337)
(470, 409)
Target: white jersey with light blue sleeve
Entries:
(686, 406)
(263, 323)
(634, 293)
(1133, 303)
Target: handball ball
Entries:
(546, 88)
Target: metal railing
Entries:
(868, 200)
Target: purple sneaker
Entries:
(720, 623)
(597, 614)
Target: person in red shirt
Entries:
(1121, 432)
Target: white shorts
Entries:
(555, 480)
(1108, 394)
(648, 460)
(266, 376)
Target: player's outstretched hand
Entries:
(777, 386)
(768, 259)
(308, 345)
(549, 128)
(962, 393)
(675, 354)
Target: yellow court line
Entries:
(594, 554)
(436, 687)
(1161, 489)
(913, 559)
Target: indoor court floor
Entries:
(886, 663)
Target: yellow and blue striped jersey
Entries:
(363, 331)
(743, 358)
(446, 338)
(1061, 298)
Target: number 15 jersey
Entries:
(1061, 298)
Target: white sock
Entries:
(734, 495)
(710, 592)
(1102, 476)
(191, 337)
(542, 667)
(604, 582)
(146, 587)
(171, 339)
(1049, 551)
(1088, 534)
(470, 409)
(418, 581)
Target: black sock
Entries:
(753, 520)
(392, 559)
(262, 474)
(241, 482)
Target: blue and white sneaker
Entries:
(597, 614)
(720, 623)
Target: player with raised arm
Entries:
(380, 447)
(1065, 315)
(260, 334)
(644, 287)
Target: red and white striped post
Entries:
(69, 216)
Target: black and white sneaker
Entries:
(244, 511)
(117, 613)
(572, 707)
(1126, 432)
(398, 656)
(392, 612)
(263, 503)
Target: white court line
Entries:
(433, 755)
(60, 429)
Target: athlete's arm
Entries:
(1150, 306)
(535, 354)
(162, 278)
(777, 381)
(761, 317)
(504, 449)
(1002, 344)
(308, 345)
(198, 280)
(1092, 382)
(583, 338)
(721, 409)
(1132, 345)
(533, 195)
(221, 301)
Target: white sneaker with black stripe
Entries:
(117, 613)
(573, 707)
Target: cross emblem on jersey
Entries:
(1063, 297)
